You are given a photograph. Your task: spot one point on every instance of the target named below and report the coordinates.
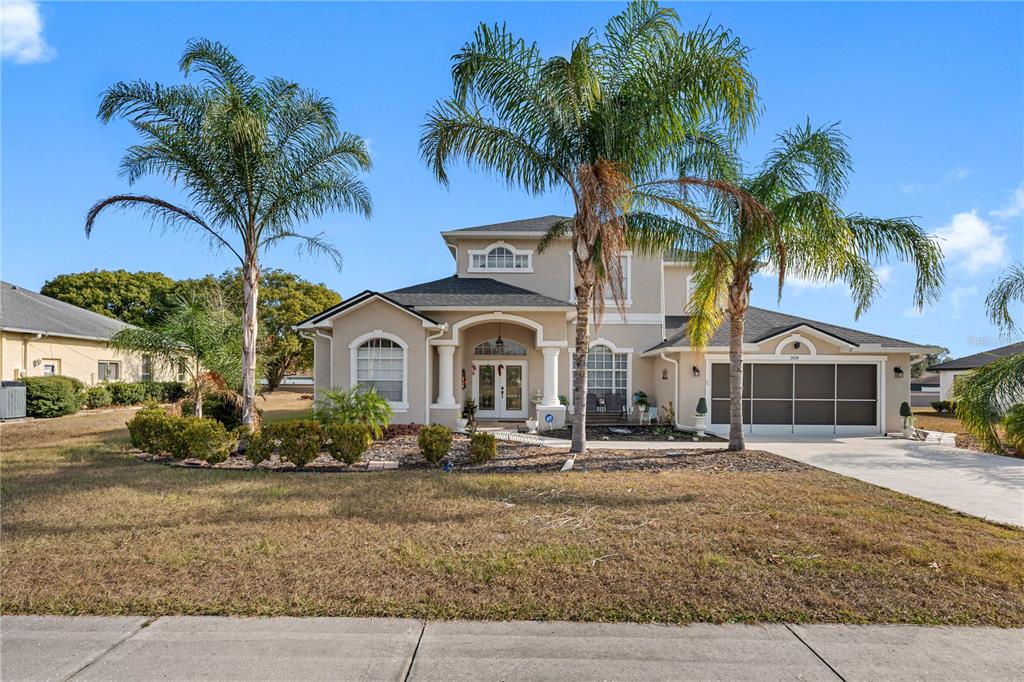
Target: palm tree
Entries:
(194, 337)
(983, 395)
(597, 125)
(253, 158)
(800, 231)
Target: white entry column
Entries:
(550, 398)
(445, 376)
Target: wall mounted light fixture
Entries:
(898, 371)
(696, 371)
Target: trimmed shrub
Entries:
(53, 396)
(347, 442)
(151, 431)
(435, 441)
(483, 447)
(125, 393)
(97, 396)
(258, 445)
(224, 406)
(170, 391)
(200, 438)
(300, 440)
(940, 406)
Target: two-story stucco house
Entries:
(501, 330)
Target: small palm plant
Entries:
(195, 337)
(254, 159)
(360, 405)
(797, 229)
(993, 392)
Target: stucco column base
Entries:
(444, 415)
(557, 413)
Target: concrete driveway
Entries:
(989, 486)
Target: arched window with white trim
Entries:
(380, 364)
(607, 372)
(507, 347)
(500, 257)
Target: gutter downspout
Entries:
(330, 360)
(675, 389)
(426, 375)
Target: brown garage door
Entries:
(811, 395)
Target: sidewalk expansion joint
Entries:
(415, 651)
(816, 654)
(124, 639)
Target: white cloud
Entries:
(21, 32)
(972, 243)
(958, 174)
(884, 273)
(1013, 207)
(959, 297)
(952, 176)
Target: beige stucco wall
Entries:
(380, 316)
(23, 355)
(675, 289)
(551, 268)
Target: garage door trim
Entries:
(879, 361)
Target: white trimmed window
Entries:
(379, 362)
(627, 280)
(108, 370)
(607, 371)
(508, 347)
(147, 368)
(500, 257)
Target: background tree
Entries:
(919, 368)
(285, 300)
(255, 159)
(194, 336)
(134, 297)
(801, 231)
(596, 124)
(984, 396)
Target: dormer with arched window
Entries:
(500, 257)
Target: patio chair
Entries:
(591, 402)
(613, 404)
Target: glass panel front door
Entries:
(499, 388)
(488, 387)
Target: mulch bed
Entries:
(520, 458)
(637, 433)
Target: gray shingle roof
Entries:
(527, 225)
(472, 291)
(762, 324)
(979, 359)
(24, 310)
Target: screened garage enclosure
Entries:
(801, 397)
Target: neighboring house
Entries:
(40, 336)
(924, 390)
(501, 330)
(950, 369)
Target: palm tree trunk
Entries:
(739, 299)
(584, 293)
(250, 294)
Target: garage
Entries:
(798, 397)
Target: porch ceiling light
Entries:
(499, 344)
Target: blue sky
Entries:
(931, 95)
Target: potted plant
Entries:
(701, 420)
(641, 401)
(908, 420)
(468, 412)
(531, 424)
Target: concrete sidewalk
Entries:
(177, 648)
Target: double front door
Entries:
(499, 388)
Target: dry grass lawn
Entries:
(86, 528)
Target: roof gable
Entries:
(469, 292)
(357, 301)
(524, 227)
